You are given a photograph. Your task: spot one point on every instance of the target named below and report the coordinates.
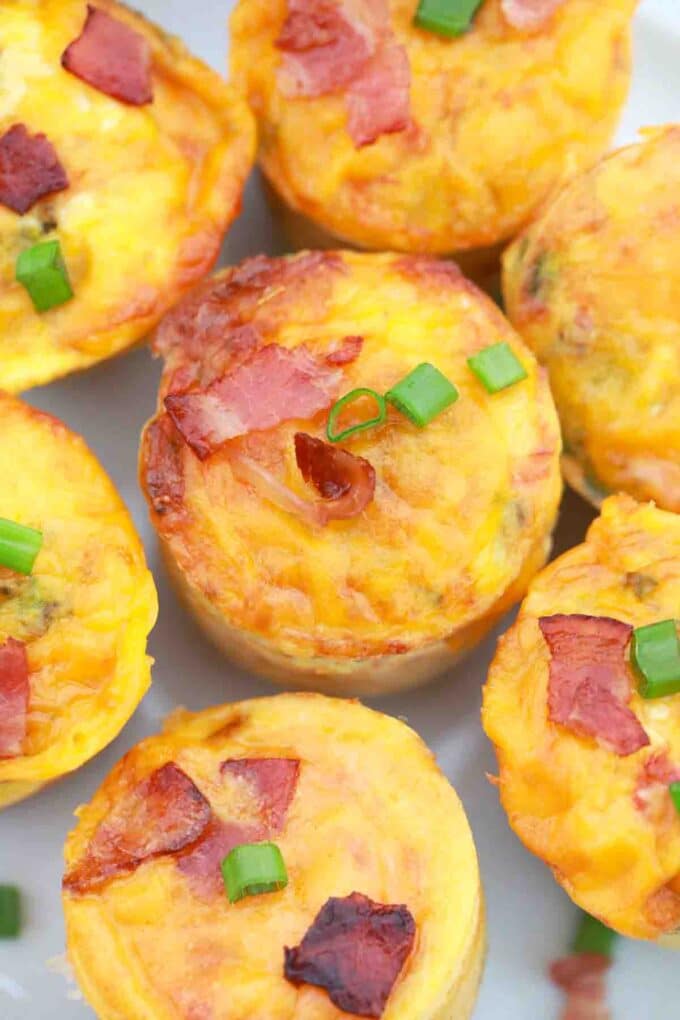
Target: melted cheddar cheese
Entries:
(574, 803)
(594, 288)
(85, 611)
(499, 117)
(462, 513)
(146, 947)
(152, 189)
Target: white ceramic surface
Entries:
(530, 919)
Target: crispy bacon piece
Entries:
(583, 979)
(651, 789)
(346, 482)
(590, 684)
(356, 950)
(324, 48)
(273, 782)
(276, 384)
(112, 57)
(162, 462)
(29, 169)
(335, 47)
(163, 814)
(379, 101)
(529, 14)
(14, 692)
(349, 349)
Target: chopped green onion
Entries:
(42, 271)
(674, 790)
(594, 937)
(10, 912)
(349, 398)
(446, 17)
(19, 546)
(423, 394)
(252, 869)
(656, 654)
(497, 367)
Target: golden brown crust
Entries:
(499, 118)
(602, 821)
(171, 172)
(389, 598)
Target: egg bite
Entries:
(375, 904)
(359, 553)
(581, 706)
(593, 286)
(379, 131)
(122, 162)
(76, 604)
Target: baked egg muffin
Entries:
(76, 604)
(419, 126)
(583, 707)
(344, 502)
(219, 873)
(593, 286)
(122, 162)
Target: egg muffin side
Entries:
(585, 761)
(593, 286)
(153, 935)
(73, 662)
(423, 537)
(389, 136)
(137, 191)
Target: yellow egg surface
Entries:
(462, 511)
(85, 611)
(498, 116)
(605, 823)
(593, 286)
(148, 945)
(152, 188)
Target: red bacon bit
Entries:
(349, 350)
(656, 775)
(529, 14)
(324, 49)
(590, 685)
(379, 102)
(583, 979)
(201, 863)
(346, 482)
(356, 950)
(112, 57)
(274, 385)
(14, 692)
(163, 814)
(426, 268)
(273, 781)
(162, 460)
(29, 169)
(331, 47)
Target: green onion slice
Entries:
(594, 937)
(10, 912)
(497, 367)
(42, 271)
(252, 869)
(19, 546)
(423, 394)
(446, 17)
(674, 790)
(656, 655)
(370, 423)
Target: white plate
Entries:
(530, 919)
